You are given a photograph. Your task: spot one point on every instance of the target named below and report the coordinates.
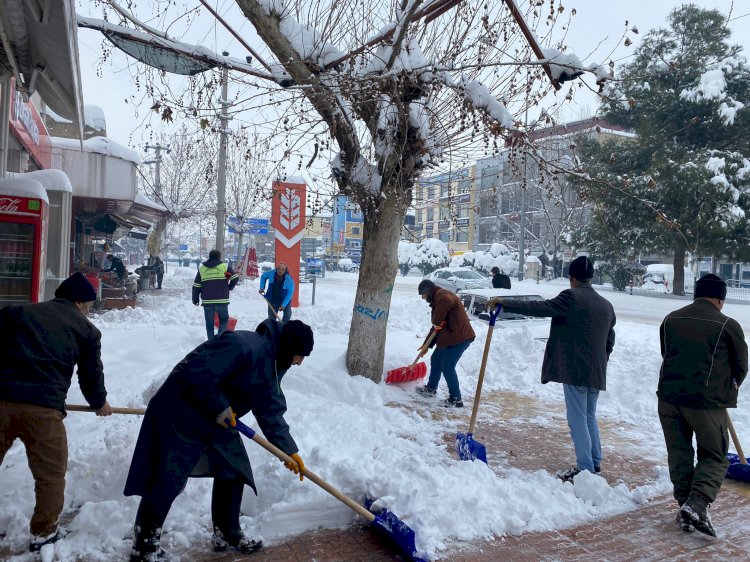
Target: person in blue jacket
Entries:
(280, 291)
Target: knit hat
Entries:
(711, 286)
(76, 288)
(495, 270)
(296, 338)
(425, 287)
(581, 268)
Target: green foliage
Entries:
(684, 182)
(620, 274)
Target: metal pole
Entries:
(222, 179)
(315, 276)
(522, 238)
(5, 102)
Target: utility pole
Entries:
(522, 237)
(221, 184)
(161, 226)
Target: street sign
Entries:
(314, 265)
(183, 247)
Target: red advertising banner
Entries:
(288, 219)
(29, 129)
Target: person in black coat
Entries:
(116, 265)
(187, 429)
(581, 338)
(40, 345)
(499, 280)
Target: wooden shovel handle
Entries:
(79, 408)
(480, 381)
(733, 433)
(271, 448)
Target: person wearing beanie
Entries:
(704, 363)
(211, 288)
(41, 344)
(499, 280)
(454, 335)
(581, 338)
(188, 430)
(116, 265)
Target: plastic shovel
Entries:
(468, 448)
(738, 469)
(384, 521)
(416, 370)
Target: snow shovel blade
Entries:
(469, 449)
(395, 530)
(737, 470)
(406, 374)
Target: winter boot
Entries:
(426, 391)
(683, 522)
(147, 545)
(37, 541)
(695, 510)
(453, 403)
(237, 541)
(567, 475)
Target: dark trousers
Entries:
(42, 432)
(226, 498)
(222, 310)
(709, 426)
(286, 314)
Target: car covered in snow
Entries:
(457, 279)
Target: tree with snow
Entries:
(430, 254)
(432, 84)
(684, 183)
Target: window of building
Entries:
(445, 213)
(445, 189)
(445, 235)
(464, 186)
(489, 177)
(463, 211)
(355, 231)
(462, 235)
(430, 215)
(486, 233)
(430, 193)
(506, 230)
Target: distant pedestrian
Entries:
(157, 266)
(704, 363)
(212, 284)
(188, 431)
(455, 334)
(41, 344)
(499, 279)
(581, 338)
(280, 291)
(116, 265)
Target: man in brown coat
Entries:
(454, 336)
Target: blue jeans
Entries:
(580, 403)
(444, 361)
(286, 314)
(223, 311)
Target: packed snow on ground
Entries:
(368, 440)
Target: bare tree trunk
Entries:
(377, 274)
(678, 287)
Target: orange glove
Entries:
(298, 468)
(227, 415)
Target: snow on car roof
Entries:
(495, 292)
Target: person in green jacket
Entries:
(704, 363)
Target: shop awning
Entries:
(39, 46)
(130, 221)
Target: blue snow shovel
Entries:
(738, 469)
(468, 448)
(384, 521)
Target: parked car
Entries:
(457, 279)
(346, 264)
(475, 302)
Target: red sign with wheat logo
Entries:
(288, 220)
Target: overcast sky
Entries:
(597, 27)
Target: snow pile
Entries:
(497, 256)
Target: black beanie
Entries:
(76, 288)
(581, 268)
(296, 338)
(425, 287)
(711, 286)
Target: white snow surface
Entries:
(23, 187)
(51, 180)
(366, 439)
(98, 145)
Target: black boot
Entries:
(237, 541)
(695, 510)
(147, 538)
(226, 499)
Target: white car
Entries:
(457, 279)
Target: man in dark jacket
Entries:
(454, 336)
(581, 338)
(500, 280)
(185, 433)
(40, 345)
(704, 363)
(212, 284)
(157, 266)
(116, 265)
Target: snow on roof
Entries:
(51, 180)
(23, 188)
(54, 116)
(297, 180)
(93, 117)
(141, 199)
(98, 145)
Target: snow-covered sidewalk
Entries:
(366, 439)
